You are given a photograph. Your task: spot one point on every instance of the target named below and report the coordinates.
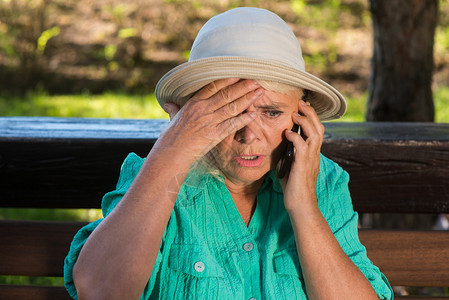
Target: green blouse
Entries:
(208, 252)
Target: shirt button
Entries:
(252, 298)
(248, 247)
(199, 266)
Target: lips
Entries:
(249, 160)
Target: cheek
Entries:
(277, 135)
(277, 141)
(222, 151)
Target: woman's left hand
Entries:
(300, 185)
(328, 272)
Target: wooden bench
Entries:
(70, 163)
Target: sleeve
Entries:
(128, 172)
(336, 206)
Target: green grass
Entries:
(113, 105)
(41, 214)
(441, 99)
(357, 107)
(107, 105)
(31, 280)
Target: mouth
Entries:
(252, 157)
(252, 160)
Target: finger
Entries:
(234, 92)
(222, 92)
(238, 106)
(298, 142)
(308, 127)
(232, 125)
(307, 110)
(171, 109)
(214, 87)
(313, 134)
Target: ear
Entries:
(171, 109)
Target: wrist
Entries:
(167, 153)
(302, 205)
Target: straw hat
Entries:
(248, 43)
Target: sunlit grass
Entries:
(356, 108)
(29, 280)
(120, 105)
(441, 99)
(107, 105)
(50, 214)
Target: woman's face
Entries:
(251, 152)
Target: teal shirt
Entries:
(208, 252)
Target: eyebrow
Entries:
(274, 105)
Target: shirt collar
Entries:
(198, 178)
(272, 180)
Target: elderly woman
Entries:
(207, 215)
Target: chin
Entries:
(249, 175)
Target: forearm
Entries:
(327, 270)
(119, 256)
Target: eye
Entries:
(273, 113)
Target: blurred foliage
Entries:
(441, 48)
(140, 32)
(44, 37)
(330, 14)
(72, 46)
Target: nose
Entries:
(248, 134)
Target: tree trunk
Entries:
(402, 62)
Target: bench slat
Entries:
(74, 162)
(410, 258)
(421, 298)
(35, 248)
(45, 293)
(33, 292)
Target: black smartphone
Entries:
(287, 159)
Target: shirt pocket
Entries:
(192, 260)
(194, 273)
(288, 274)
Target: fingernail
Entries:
(258, 92)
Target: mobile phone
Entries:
(287, 159)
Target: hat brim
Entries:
(180, 83)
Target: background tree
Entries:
(402, 62)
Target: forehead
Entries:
(281, 100)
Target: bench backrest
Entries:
(71, 163)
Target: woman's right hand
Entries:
(131, 235)
(213, 113)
